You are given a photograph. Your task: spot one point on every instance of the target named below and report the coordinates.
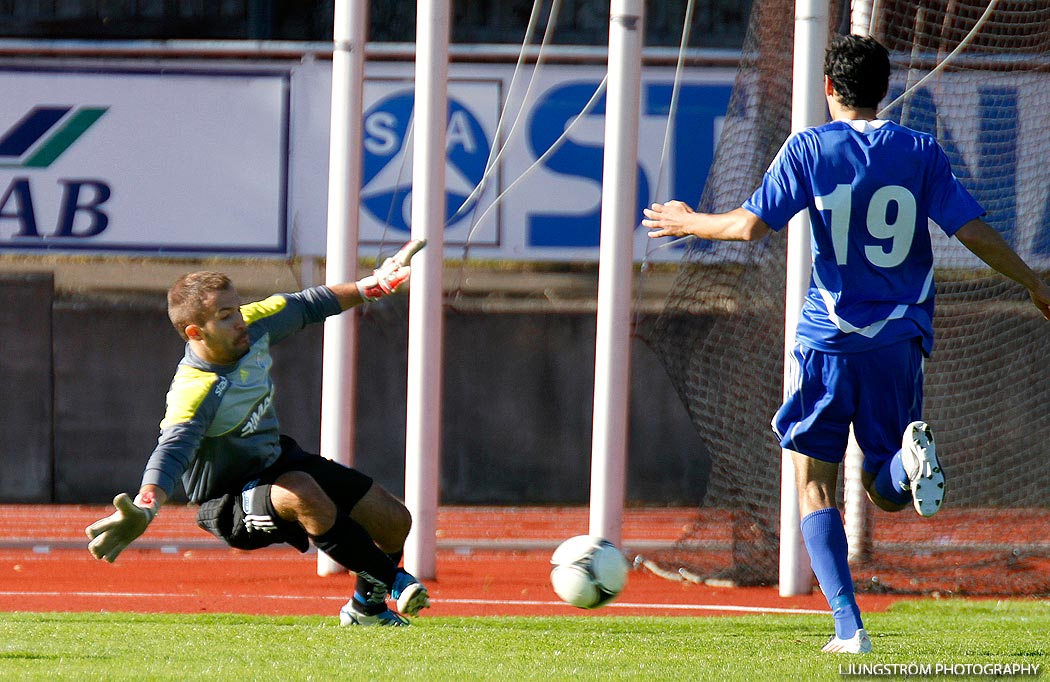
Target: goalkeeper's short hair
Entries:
(186, 298)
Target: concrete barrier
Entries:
(26, 390)
(516, 419)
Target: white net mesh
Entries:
(720, 335)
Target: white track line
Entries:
(628, 605)
(474, 602)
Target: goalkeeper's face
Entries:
(223, 337)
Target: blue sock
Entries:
(825, 539)
(891, 483)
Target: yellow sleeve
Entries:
(188, 390)
(265, 308)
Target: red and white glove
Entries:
(111, 536)
(391, 274)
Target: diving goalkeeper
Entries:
(255, 486)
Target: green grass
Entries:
(120, 646)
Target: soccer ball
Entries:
(588, 572)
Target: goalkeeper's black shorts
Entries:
(247, 520)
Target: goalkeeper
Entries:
(870, 188)
(255, 486)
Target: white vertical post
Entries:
(425, 342)
(616, 254)
(807, 109)
(862, 17)
(858, 516)
(339, 358)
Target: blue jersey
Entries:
(871, 188)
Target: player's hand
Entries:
(668, 220)
(111, 535)
(394, 272)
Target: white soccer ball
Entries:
(588, 572)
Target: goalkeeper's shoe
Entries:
(411, 595)
(925, 478)
(859, 643)
(353, 613)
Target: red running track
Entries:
(491, 561)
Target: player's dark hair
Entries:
(186, 298)
(859, 69)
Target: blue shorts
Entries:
(879, 391)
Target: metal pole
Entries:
(858, 517)
(339, 357)
(616, 254)
(425, 341)
(807, 109)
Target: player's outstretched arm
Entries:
(111, 536)
(677, 219)
(383, 281)
(988, 245)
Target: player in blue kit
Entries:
(870, 187)
(255, 486)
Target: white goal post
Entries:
(807, 109)
(858, 516)
(339, 353)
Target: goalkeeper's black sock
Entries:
(350, 544)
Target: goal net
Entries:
(973, 73)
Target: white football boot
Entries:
(919, 457)
(859, 643)
(410, 594)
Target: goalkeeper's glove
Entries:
(111, 536)
(391, 274)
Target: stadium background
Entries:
(718, 23)
(89, 351)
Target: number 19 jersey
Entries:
(871, 188)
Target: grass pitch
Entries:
(119, 646)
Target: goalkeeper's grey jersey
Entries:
(220, 429)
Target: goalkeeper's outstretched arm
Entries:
(111, 535)
(383, 281)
